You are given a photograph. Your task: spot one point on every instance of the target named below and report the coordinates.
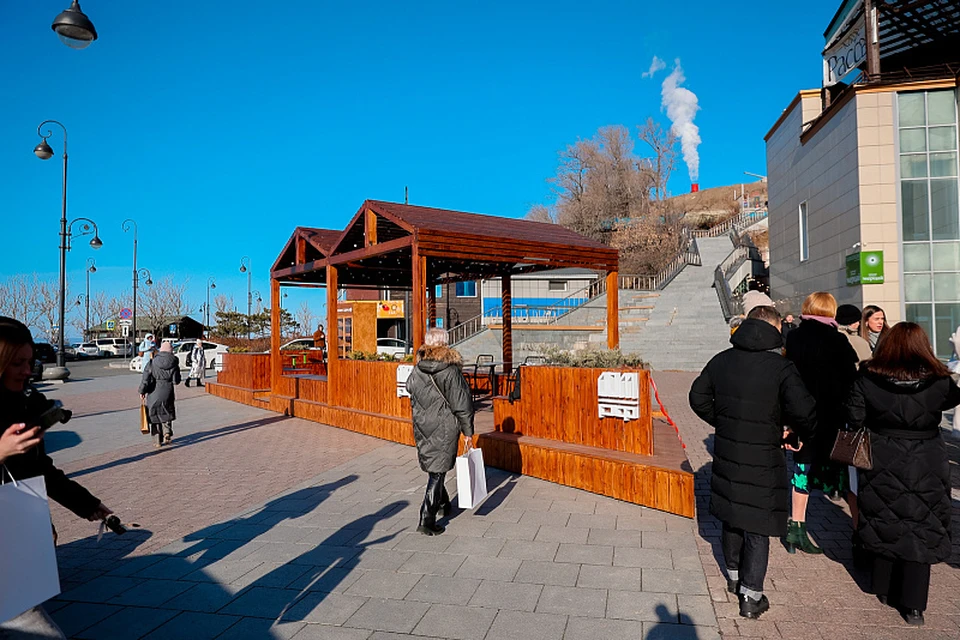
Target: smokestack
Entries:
(694, 187)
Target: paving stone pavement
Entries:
(810, 596)
(258, 526)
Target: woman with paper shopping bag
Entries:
(442, 411)
(24, 415)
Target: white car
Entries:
(300, 344)
(115, 347)
(211, 350)
(83, 349)
(393, 347)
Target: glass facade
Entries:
(930, 212)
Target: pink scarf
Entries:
(824, 319)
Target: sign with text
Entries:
(865, 267)
(390, 309)
(847, 53)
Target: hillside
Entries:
(709, 206)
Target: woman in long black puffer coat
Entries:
(905, 499)
(828, 365)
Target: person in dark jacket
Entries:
(159, 377)
(22, 456)
(828, 364)
(442, 411)
(905, 498)
(747, 393)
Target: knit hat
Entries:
(753, 299)
(847, 314)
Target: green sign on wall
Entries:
(865, 267)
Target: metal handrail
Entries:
(741, 220)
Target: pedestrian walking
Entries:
(22, 456)
(873, 325)
(747, 393)
(197, 361)
(828, 365)
(442, 412)
(905, 498)
(156, 386)
(147, 349)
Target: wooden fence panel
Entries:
(560, 403)
(245, 370)
(371, 387)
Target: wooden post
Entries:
(276, 364)
(506, 304)
(613, 310)
(417, 316)
(370, 228)
(431, 305)
(873, 40)
(301, 248)
(333, 337)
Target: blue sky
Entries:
(220, 126)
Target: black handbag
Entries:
(853, 448)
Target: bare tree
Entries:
(541, 213)
(164, 299)
(305, 318)
(33, 301)
(222, 302)
(663, 143)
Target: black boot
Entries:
(200, 383)
(913, 617)
(750, 608)
(446, 508)
(431, 505)
(186, 382)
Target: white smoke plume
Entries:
(681, 106)
(656, 65)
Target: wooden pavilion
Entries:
(557, 430)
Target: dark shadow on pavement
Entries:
(58, 440)
(181, 441)
(671, 627)
(109, 593)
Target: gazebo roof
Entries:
(376, 247)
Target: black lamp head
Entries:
(96, 243)
(74, 28)
(43, 150)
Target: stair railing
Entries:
(740, 221)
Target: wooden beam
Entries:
(301, 250)
(506, 303)
(368, 252)
(333, 336)
(613, 310)
(307, 267)
(276, 364)
(873, 40)
(417, 311)
(370, 229)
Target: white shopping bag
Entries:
(28, 561)
(471, 479)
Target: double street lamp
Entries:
(91, 268)
(45, 152)
(210, 285)
(129, 224)
(245, 268)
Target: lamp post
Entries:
(210, 285)
(44, 152)
(245, 268)
(74, 28)
(91, 268)
(129, 224)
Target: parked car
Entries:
(82, 350)
(44, 352)
(393, 347)
(211, 350)
(115, 347)
(300, 344)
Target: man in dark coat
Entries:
(442, 411)
(748, 393)
(159, 377)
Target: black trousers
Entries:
(434, 498)
(906, 584)
(747, 553)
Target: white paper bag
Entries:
(28, 561)
(471, 479)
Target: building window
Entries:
(556, 285)
(804, 237)
(467, 289)
(438, 291)
(930, 212)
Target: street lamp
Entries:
(129, 224)
(245, 268)
(91, 268)
(45, 152)
(210, 285)
(74, 28)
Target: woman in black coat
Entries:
(22, 454)
(828, 364)
(156, 387)
(905, 498)
(442, 411)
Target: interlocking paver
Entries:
(495, 594)
(400, 616)
(127, 623)
(325, 632)
(602, 577)
(552, 573)
(458, 623)
(511, 625)
(631, 605)
(258, 628)
(591, 629)
(440, 564)
(384, 584)
(196, 626)
(573, 601)
(585, 554)
(444, 590)
(488, 568)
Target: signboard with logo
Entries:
(865, 267)
(390, 309)
(847, 53)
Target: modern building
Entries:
(539, 296)
(863, 175)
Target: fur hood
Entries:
(433, 359)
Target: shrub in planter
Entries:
(593, 359)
